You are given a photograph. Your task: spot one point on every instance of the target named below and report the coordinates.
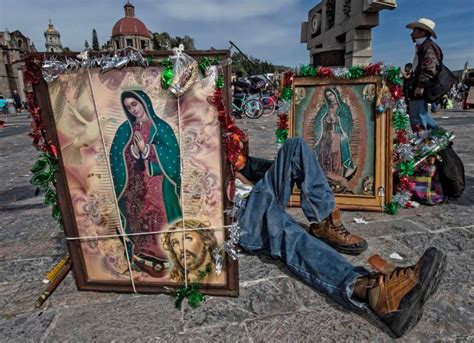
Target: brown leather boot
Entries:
(397, 294)
(332, 231)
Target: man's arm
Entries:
(243, 179)
(429, 65)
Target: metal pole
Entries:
(275, 86)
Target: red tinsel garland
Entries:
(402, 137)
(282, 121)
(233, 136)
(31, 78)
(288, 79)
(396, 91)
(373, 69)
(324, 72)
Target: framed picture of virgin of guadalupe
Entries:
(143, 179)
(350, 138)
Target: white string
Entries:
(182, 194)
(111, 183)
(148, 233)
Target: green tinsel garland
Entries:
(43, 177)
(391, 208)
(406, 168)
(168, 74)
(220, 82)
(191, 292)
(287, 94)
(355, 72)
(206, 62)
(392, 74)
(308, 70)
(400, 121)
(281, 135)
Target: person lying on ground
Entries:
(395, 294)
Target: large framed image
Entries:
(352, 141)
(143, 179)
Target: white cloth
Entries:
(241, 189)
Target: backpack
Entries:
(441, 83)
(451, 172)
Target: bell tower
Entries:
(53, 39)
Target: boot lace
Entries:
(398, 272)
(341, 230)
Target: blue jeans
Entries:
(419, 115)
(266, 228)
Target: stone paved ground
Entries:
(273, 306)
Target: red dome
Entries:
(130, 26)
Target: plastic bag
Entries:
(185, 69)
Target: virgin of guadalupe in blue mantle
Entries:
(145, 162)
(332, 136)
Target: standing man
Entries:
(241, 86)
(17, 99)
(426, 66)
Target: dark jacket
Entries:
(256, 168)
(430, 57)
(240, 85)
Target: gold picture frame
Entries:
(348, 125)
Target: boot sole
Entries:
(411, 307)
(345, 249)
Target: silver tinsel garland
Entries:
(53, 67)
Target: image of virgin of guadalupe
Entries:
(332, 136)
(145, 162)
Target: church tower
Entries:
(53, 39)
(130, 31)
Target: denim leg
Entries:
(420, 116)
(266, 227)
(297, 163)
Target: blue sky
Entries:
(267, 29)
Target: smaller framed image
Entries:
(352, 141)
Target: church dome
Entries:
(51, 29)
(129, 25)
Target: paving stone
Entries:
(31, 225)
(27, 269)
(315, 326)
(67, 295)
(254, 267)
(280, 295)
(443, 217)
(214, 311)
(452, 240)
(232, 333)
(31, 249)
(385, 228)
(126, 319)
(27, 328)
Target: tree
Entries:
(239, 62)
(95, 40)
(163, 41)
(66, 49)
(86, 45)
(187, 42)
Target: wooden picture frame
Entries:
(352, 140)
(98, 102)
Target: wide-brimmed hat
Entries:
(425, 24)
